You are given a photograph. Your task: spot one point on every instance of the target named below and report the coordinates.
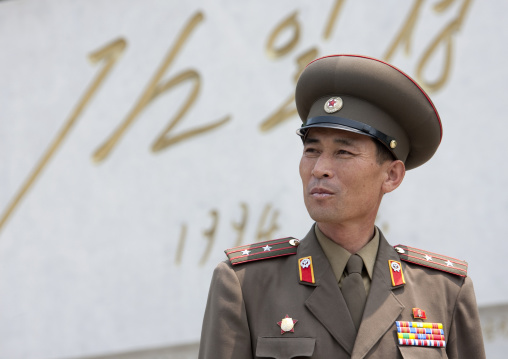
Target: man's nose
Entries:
(322, 168)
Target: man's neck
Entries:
(351, 238)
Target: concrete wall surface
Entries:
(140, 138)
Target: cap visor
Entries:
(303, 130)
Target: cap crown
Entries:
(375, 94)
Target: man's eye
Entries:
(343, 152)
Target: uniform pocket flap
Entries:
(409, 352)
(285, 348)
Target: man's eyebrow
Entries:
(308, 140)
(344, 141)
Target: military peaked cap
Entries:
(371, 97)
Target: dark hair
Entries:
(383, 154)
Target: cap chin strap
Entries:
(360, 126)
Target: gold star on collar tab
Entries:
(287, 324)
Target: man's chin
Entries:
(322, 215)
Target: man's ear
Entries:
(395, 172)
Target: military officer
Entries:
(342, 291)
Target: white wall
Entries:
(91, 258)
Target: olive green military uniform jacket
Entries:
(246, 301)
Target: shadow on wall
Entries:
(494, 320)
(187, 351)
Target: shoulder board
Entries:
(432, 260)
(262, 250)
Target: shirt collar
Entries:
(369, 253)
(338, 256)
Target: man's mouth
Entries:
(320, 192)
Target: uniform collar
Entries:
(338, 256)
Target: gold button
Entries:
(400, 250)
(393, 144)
(294, 242)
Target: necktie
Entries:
(353, 289)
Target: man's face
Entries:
(342, 182)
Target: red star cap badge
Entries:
(333, 104)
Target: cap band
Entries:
(362, 127)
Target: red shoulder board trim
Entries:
(432, 260)
(262, 250)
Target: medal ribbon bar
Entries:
(420, 334)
